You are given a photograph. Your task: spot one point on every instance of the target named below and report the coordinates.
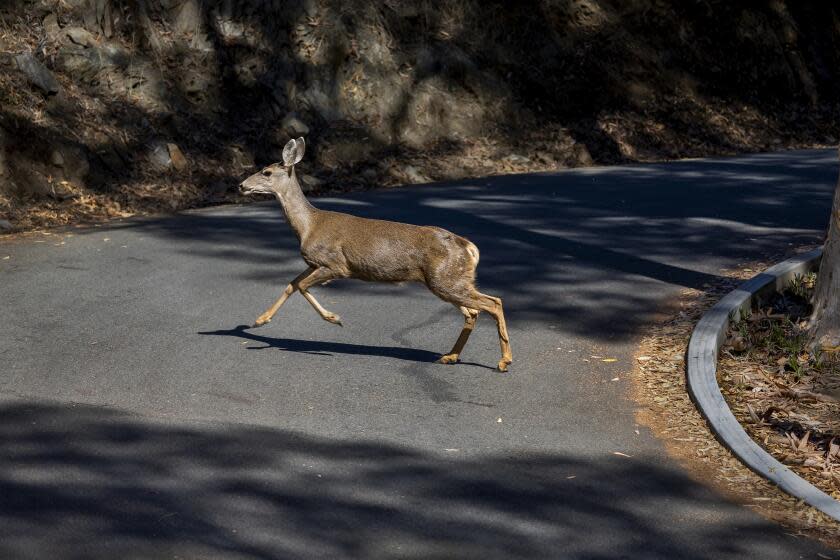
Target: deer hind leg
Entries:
(504, 341)
(493, 306)
(319, 276)
(470, 316)
(289, 290)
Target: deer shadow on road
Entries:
(323, 348)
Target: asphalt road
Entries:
(139, 419)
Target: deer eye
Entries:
(266, 172)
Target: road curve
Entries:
(141, 420)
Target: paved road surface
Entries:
(139, 419)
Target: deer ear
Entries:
(301, 148)
(293, 152)
(289, 153)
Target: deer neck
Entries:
(299, 212)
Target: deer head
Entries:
(277, 177)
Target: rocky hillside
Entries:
(115, 107)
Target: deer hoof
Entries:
(334, 319)
(448, 358)
(261, 321)
(503, 365)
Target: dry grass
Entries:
(659, 386)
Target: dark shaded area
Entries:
(90, 482)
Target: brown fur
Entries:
(337, 245)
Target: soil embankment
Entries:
(116, 107)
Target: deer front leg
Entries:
(319, 276)
(470, 316)
(325, 315)
(290, 289)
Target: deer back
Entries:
(383, 251)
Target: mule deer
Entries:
(336, 245)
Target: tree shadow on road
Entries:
(590, 249)
(93, 482)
